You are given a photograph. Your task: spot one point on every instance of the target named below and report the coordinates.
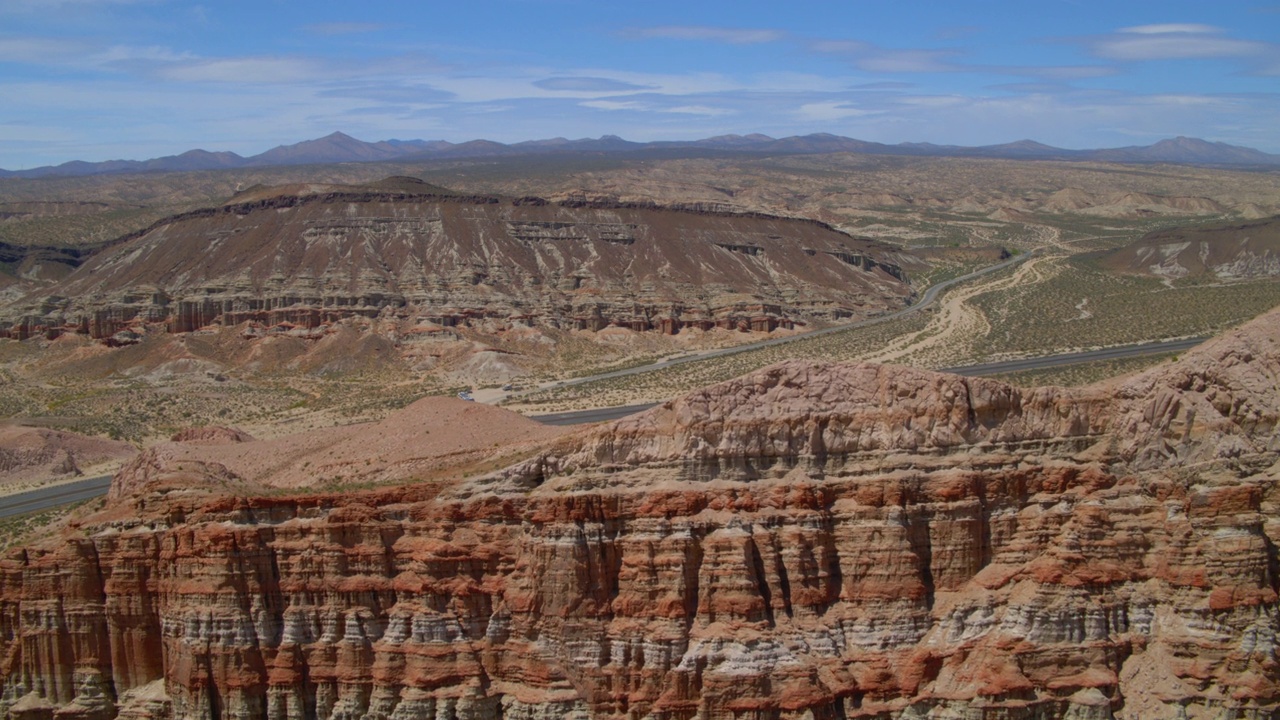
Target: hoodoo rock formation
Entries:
(311, 256)
(808, 541)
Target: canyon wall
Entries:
(808, 541)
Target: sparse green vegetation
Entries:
(20, 529)
(1078, 305)
(672, 380)
(1084, 373)
(960, 209)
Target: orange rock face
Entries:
(810, 541)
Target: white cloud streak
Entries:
(253, 70)
(1172, 41)
(733, 36)
(1166, 28)
(343, 28)
(166, 96)
(41, 51)
(828, 111)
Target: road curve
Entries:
(928, 298)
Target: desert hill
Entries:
(308, 256)
(36, 454)
(1230, 252)
(810, 540)
(903, 198)
(431, 438)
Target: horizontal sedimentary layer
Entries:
(105, 319)
(313, 259)
(808, 541)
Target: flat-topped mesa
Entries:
(809, 541)
(327, 254)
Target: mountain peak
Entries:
(339, 147)
(336, 135)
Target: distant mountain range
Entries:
(341, 148)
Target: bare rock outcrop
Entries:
(304, 258)
(211, 434)
(809, 541)
(35, 454)
(1239, 251)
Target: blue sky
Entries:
(104, 79)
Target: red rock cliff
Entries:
(810, 541)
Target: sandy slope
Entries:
(432, 437)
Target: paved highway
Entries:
(45, 499)
(930, 295)
(93, 487)
(52, 497)
(581, 417)
(1049, 361)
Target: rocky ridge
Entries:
(308, 257)
(34, 454)
(1238, 251)
(339, 147)
(808, 541)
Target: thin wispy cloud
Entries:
(252, 70)
(1067, 72)
(133, 53)
(588, 85)
(613, 105)
(873, 58)
(41, 51)
(395, 93)
(1032, 88)
(957, 32)
(343, 28)
(829, 110)
(29, 6)
(733, 36)
(909, 61)
(542, 68)
(1171, 28)
(652, 104)
(704, 110)
(1173, 42)
(884, 85)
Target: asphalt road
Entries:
(930, 296)
(46, 498)
(52, 497)
(1049, 361)
(582, 417)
